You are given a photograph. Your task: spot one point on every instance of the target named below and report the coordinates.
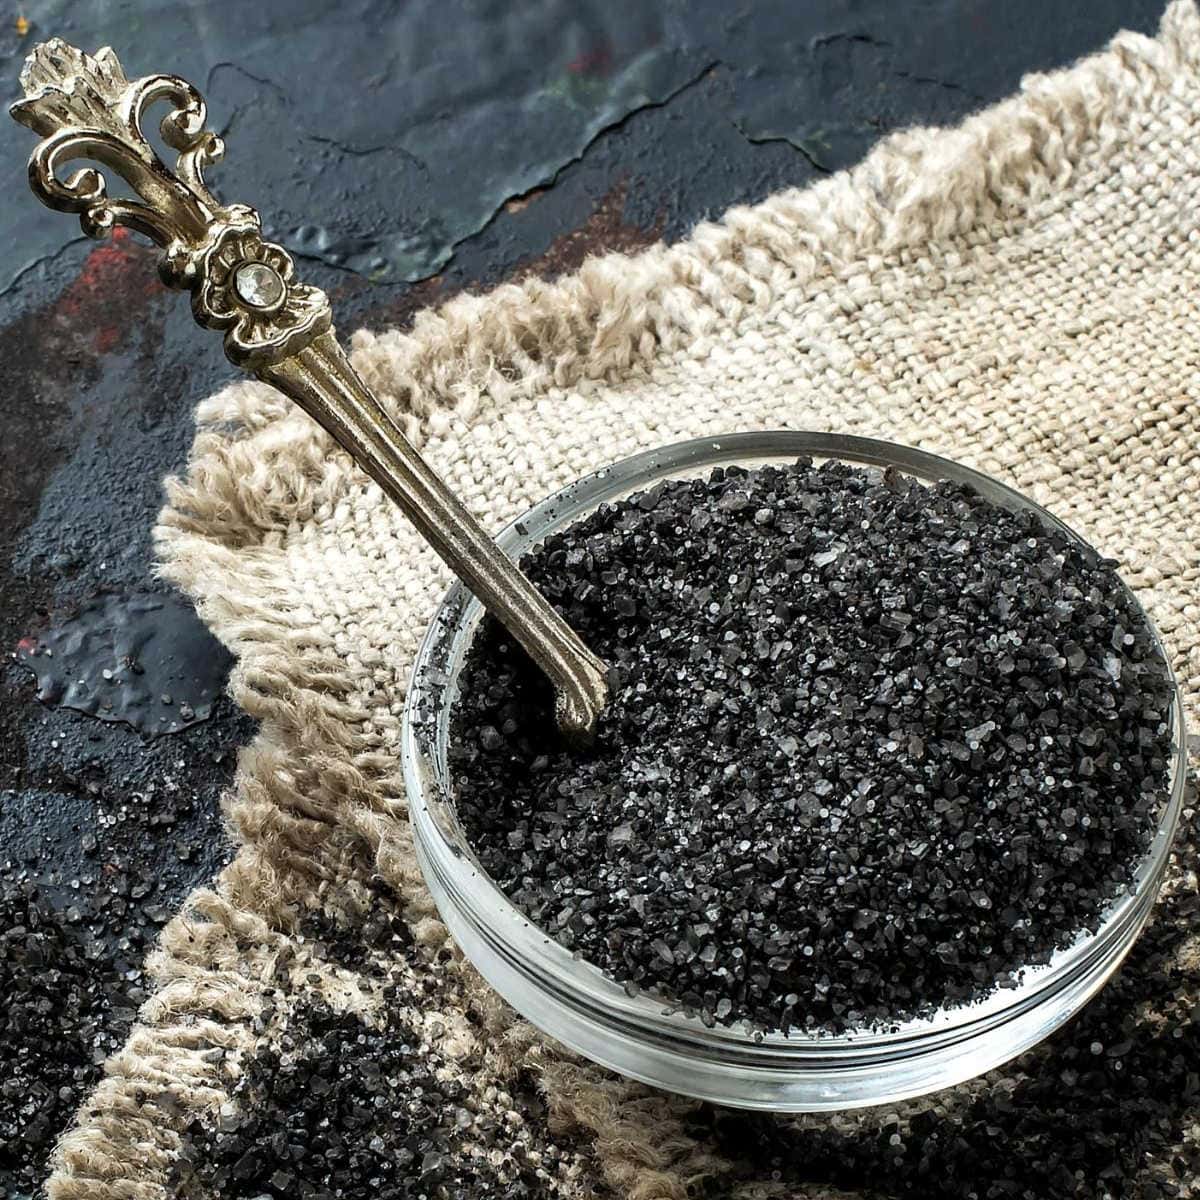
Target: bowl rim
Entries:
(564, 976)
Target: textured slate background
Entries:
(402, 152)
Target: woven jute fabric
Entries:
(1018, 293)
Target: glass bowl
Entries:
(573, 1001)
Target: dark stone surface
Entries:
(404, 152)
(109, 661)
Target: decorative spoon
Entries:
(278, 330)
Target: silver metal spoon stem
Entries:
(278, 330)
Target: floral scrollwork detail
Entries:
(245, 286)
(83, 106)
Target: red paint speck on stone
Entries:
(597, 61)
(116, 278)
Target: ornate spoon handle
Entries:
(276, 329)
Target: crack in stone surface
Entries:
(766, 139)
(612, 127)
(942, 83)
(368, 151)
(43, 260)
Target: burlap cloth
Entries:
(1019, 293)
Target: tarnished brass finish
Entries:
(281, 331)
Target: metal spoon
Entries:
(276, 329)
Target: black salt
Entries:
(335, 1107)
(873, 746)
